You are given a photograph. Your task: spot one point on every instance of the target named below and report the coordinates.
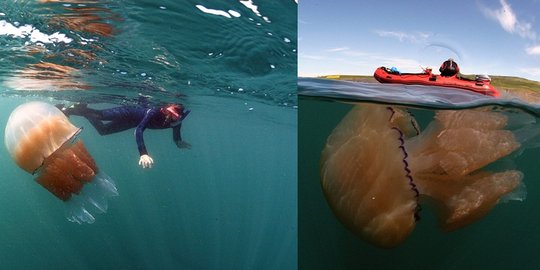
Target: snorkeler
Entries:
(138, 117)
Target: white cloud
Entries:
(339, 49)
(508, 20)
(312, 57)
(534, 50)
(403, 36)
(352, 53)
(347, 51)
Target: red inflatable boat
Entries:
(480, 85)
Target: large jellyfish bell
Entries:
(42, 141)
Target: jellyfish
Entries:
(42, 141)
(377, 166)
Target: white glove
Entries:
(146, 161)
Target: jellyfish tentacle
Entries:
(93, 198)
(77, 214)
(106, 185)
(447, 160)
(99, 204)
(461, 142)
(462, 201)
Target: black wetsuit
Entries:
(126, 117)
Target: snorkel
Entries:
(175, 112)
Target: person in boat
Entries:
(118, 119)
(449, 68)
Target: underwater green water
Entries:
(229, 202)
(506, 238)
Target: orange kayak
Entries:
(481, 85)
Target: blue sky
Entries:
(357, 36)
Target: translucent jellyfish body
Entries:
(376, 166)
(42, 141)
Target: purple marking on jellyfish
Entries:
(408, 175)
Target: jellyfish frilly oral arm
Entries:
(464, 200)
(66, 171)
(447, 165)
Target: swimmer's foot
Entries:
(62, 108)
(73, 109)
